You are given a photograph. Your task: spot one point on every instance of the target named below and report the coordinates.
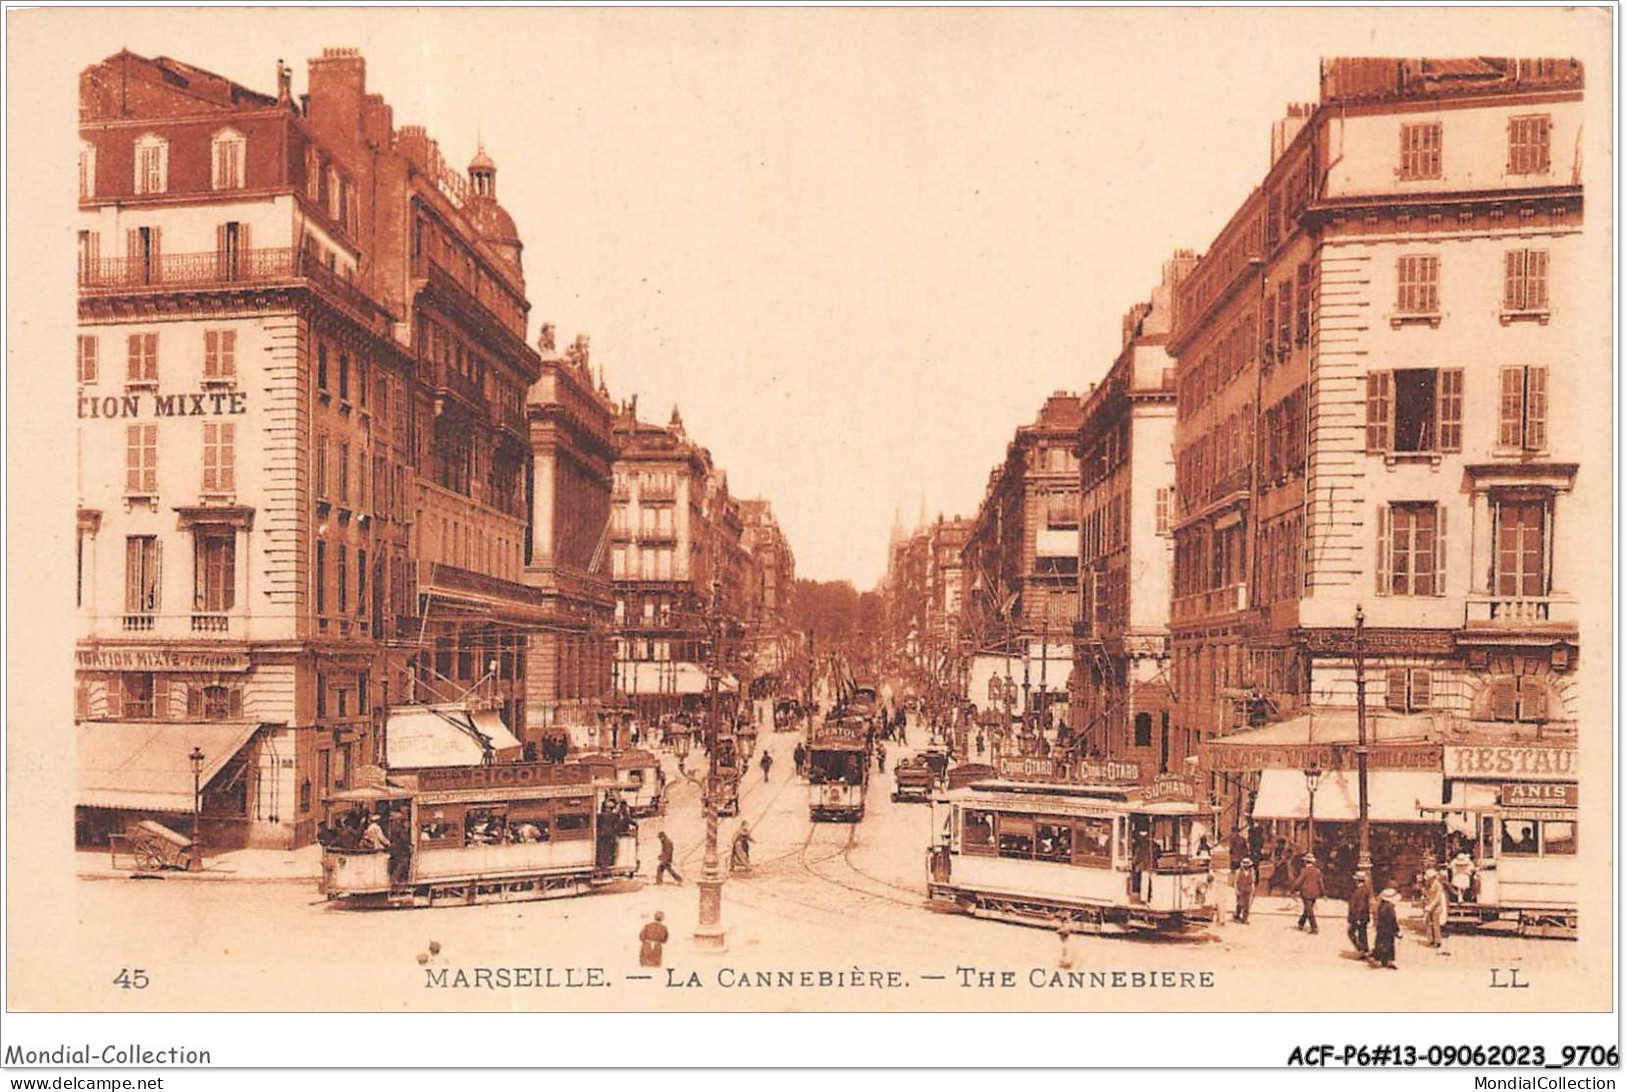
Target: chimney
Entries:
(338, 87)
(284, 84)
(1285, 131)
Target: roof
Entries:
(145, 765)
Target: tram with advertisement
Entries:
(838, 769)
(1040, 842)
(473, 834)
(1512, 862)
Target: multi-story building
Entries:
(945, 604)
(770, 589)
(1370, 356)
(1120, 692)
(1021, 562)
(242, 413)
(670, 525)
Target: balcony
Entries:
(139, 623)
(1225, 600)
(1511, 612)
(217, 270)
(211, 622)
(448, 380)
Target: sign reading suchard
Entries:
(191, 404)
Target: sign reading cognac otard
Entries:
(191, 404)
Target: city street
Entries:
(848, 899)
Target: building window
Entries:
(1142, 729)
(344, 376)
(229, 153)
(1519, 699)
(214, 572)
(321, 587)
(143, 246)
(1165, 498)
(141, 460)
(321, 695)
(1523, 408)
(139, 698)
(361, 582)
(87, 170)
(1529, 144)
(321, 466)
(1525, 282)
(344, 473)
(1410, 549)
(151, 164)
(142, 358)
(321, 366)
(341, 570)
(1414, 410)
(219, 354)
(334, 207)
(216, 703)
(1421, 149)
(1410, 689)
(1418, 284)
(90, 257)
(219, 457)
(1520, 549)
(142, 571)
(89, 353)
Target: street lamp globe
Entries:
(1311, 777)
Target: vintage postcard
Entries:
(790, 510)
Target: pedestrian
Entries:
(1246, 877)
(1387, 928)
(1309, 886)
(1145, 861)
(652, 941)
(1238, 849)
(1435, 906)
(739, 859)
(667, 852)
(880, 757)
(981, 744)
(767, 765)
(800, 755)
(1360, 914)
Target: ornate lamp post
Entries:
(1361, 749)
(1311, 780)
(196, 759)
(709, 934)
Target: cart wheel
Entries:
(147, 858)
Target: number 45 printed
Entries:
(129, 979)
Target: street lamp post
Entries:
(196, 759)
(1361, 750)
(1311, 780)
(709, 934)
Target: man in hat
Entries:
(652, 941)
(1360, 914)
(1387, 927)
(1246, 877)
(1435, 905)
(1309, 886)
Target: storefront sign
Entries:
(1235, 758)
(191, 404)
(1094, 769)
(1380, 642)
(1169, 787)
(159, 659)
(517, 775)
(1519, 794)
(1510, 760)
(1032, 768)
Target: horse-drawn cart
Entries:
(152, 847)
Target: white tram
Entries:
(468, 834)
(838, 769)
(1515, 864)
(1037, 852)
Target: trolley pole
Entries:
(709, 934)
(1362, 750)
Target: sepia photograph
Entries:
(614, 510)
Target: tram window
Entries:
(1092, 842)
(441, 827)
(1557, 838)
(1519, 838)
(978, 837)
(1015, 838)
(574, 825)
(530, 823)
(485, 826)
(1488, 839)
(1055, 841)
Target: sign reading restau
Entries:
(1511, 760)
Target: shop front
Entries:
(1300, 779)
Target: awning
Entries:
(144, 765)
(1392, 796)
(643, 678)
(423, 736)
(1328, 739)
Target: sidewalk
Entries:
(240, 865)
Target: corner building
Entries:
(1370, 358)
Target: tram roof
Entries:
(1121, 797)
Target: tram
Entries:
(638, 775)
(1031, 846)
(1514, 865)
(838, 769)
(473, 834)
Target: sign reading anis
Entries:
(192, 404)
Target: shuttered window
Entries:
(1529, 144)
(1410, 689)
(1520, 549)
(219, 354)
(1523, 408)
(1305, 291)
(1379, 409)
(89, 358)
(142, 358)
(1418, 284)
(141, 460)
(1421, 150)
(1524, 285)
(1415, 553)
(219, 457)
(142, 567)
(1519, 698)
(214, 572)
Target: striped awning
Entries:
(146, 765)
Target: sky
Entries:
(858, 248)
